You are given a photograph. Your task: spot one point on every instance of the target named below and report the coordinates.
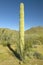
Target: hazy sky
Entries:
(9, 13)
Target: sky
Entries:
(9, 13)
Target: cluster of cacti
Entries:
(21, 29)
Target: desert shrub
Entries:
(38, 55)
(41, 39)
(28, 48)
(36, 42)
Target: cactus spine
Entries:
(21, 28)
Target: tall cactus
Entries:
(21, 29)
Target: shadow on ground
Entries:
(14, 52)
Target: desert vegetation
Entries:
(33, 48)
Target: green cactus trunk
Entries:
(21, 29)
